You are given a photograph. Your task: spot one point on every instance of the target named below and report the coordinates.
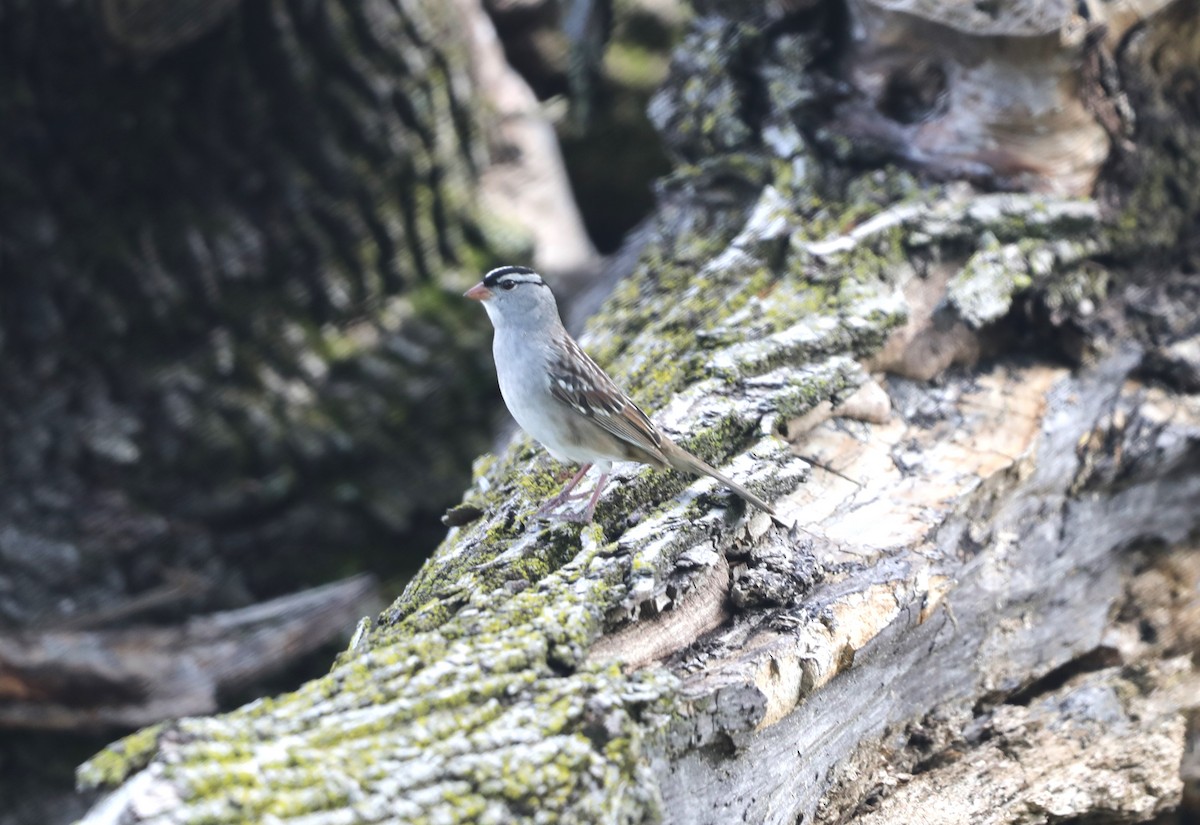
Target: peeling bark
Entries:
(233, 359)
(232, 239)
(954, 401)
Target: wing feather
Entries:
(577, 381)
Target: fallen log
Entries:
(80, 680)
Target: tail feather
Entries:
(681, 459)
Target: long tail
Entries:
(681, 459)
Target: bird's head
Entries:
(515, 296)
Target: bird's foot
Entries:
(553, 510)
(550, 508)
(569, 516)
(565, 495)
(554, 503)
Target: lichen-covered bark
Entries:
(233, 360)
(949, 567)
(493, 665)
(226, 253)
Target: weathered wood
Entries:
(971, 566)
(947, 556)
(1107, 745)
(949, 397)
(77, 680)
(232, 239)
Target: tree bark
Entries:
(233, 238)
(66, 679)
(233, 361)
(973, 410)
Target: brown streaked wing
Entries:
(577, 381)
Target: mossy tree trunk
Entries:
(976, 413)
(226, 236)
(233, 357)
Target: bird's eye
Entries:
(507, 285)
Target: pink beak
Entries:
(479, 292)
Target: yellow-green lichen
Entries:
(119, 760)
(481, 666)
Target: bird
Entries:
(564, 400)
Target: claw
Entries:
(583, 516)
(571, 516)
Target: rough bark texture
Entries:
(973, 413)
(99, 680)
(233, 360)
(233, 238)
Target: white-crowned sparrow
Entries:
(563, 399)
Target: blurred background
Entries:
(238, 386)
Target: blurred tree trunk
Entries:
(232, 238)
(227, 231)
(233, 357)
(976, 412)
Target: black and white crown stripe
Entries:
(513, 274)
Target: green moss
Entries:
(482, 663)
(983, 289)
(119, 760)
(634, 66)
(831, 380)
(539, 484)
(1077, 287)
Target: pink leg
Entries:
(584, 515)
(564, 496)
(591, 508)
